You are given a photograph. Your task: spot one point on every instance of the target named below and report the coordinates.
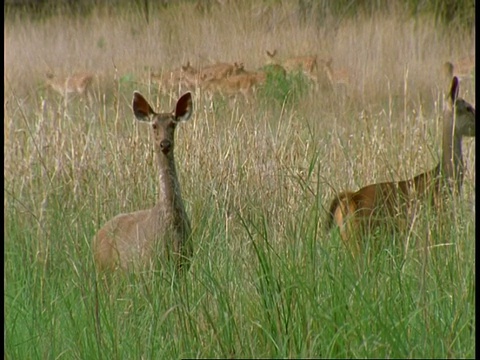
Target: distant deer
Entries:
(162, 232)
(244, 83)
(356, 212)
(220, 71)
(339, 78)
(306, 64)
(183, 77)
(463, 69)
(75, 84)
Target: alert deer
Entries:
(75, 84)
(162, 232)
(306, 64)
(363, 210)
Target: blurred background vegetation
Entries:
(459, 13)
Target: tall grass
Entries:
(266, 279)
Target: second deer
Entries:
(354, 213)
(78, 84)
(339, 78)
(162, 232)
(220, 71)
(305, 64)
(245, 84)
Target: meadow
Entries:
(266, 279)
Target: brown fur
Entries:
(137, 238)
(357, 212)
(185, 76)
(464, 69)
(221, 71)
(243, 83)
(307, 64)
(75, 84)
(337, 77)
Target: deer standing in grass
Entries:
(357, 212)
(75, 84)
(163, 231)
(306, 64)
(184, 76)
(220, 71)
(339, 78)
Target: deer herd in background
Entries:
(163, 233)
(232, 78)
(228, 79)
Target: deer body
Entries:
(306, 64)
(163, 231)
(339, 78)
(243, 83)
(221, 71)
(77, 84)
(355, 212)
(185, 76)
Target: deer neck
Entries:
(170, 197)
(452, 159)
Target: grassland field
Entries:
(266, 279)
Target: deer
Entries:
(339, 78)
(221, 71)
(356, 212)
(463, 68)
(76, 84)
(184, 76)
(244, 83)
(306, 64)
(132, 240)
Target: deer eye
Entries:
(154, 126)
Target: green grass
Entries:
(266, 280)
(284, 294)
(283, 91)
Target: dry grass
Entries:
(394, 104)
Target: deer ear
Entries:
(272, 53)
(141, 107)
(184, 107)
(186, 66)
(454, 89)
